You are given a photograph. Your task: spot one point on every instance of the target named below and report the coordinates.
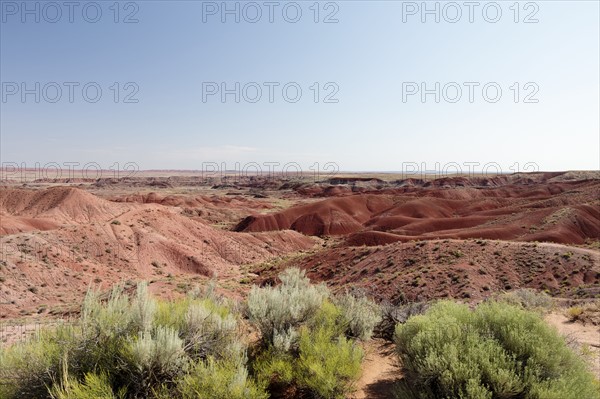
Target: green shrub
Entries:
(214, 379)
(207, 331)
(329, 317)
(151, 359)
(574, 313)
(110, 319)
(93, 387)
(274, 368)
(105, 333)
(586, 313)
(529, 299)
(143, 309)
(26, 370)
(324, 364)
(495, 351)
(133, 347)
(139, 347)
(361, 315)
(327, 365)
(171, 313)
(282, 309)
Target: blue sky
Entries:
(369, 58)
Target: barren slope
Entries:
(563, 212)
(101, 242)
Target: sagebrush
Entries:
(135, 347)
(495, 351)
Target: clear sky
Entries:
(369, 68)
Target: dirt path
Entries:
(593, 252)
(581, 335)
(380, 371)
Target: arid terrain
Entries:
(398, 239)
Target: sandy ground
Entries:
(582, 336)
(380, 371)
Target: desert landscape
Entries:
(396, 239)
(458, 237)
(299, 199)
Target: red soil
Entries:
(88, 239)
(424, 270)
(26, 210)
(55, 242)
(565, 212)
(333, 216)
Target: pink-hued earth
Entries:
(397, 238)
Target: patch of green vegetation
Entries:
(133, 348)
(495, 351)
(567, 255)
(457, 253)
(307, 336)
